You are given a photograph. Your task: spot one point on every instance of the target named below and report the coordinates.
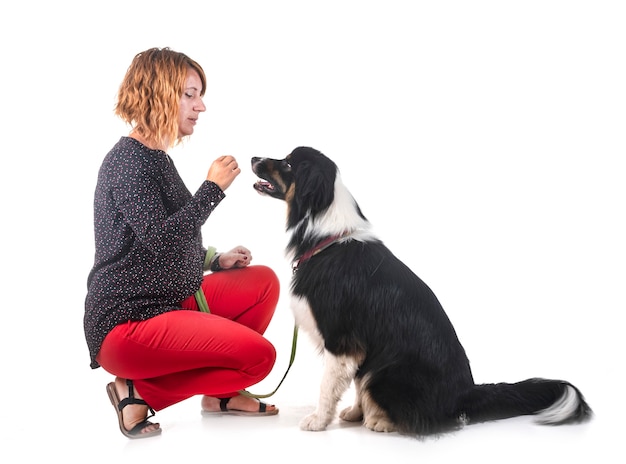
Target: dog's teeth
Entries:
(262, 184)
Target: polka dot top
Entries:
(148, 244)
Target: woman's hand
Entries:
(237, 257)
(223, 171)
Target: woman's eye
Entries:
(187, 94)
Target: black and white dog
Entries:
(379, 324)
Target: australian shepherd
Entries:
(379, 325)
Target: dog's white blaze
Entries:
(560, 410)
(342, 217)
(304, 319)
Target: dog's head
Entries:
(304, 179)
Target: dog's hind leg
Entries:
(374, 417)
(367, 410)
(336, 378)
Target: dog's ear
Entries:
(315, 189)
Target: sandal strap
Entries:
(223, 404)
(132, 400)
(136, 430)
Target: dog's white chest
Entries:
(305, 320)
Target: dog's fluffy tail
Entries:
(553, 402)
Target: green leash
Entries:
(204, 307)
(201, 300)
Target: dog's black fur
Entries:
(379, 324)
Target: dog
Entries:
(379, 325)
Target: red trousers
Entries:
(179, 354)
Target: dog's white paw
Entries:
(379, 424)
(351, 414)
(313, 423)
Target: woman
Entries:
(142, 319)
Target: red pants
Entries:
(179, 354)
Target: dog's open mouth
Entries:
(270, 179)
(263, 186)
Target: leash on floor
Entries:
(204, 307)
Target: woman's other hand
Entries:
(237, 257)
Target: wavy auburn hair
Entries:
(149, 96)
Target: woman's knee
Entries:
(265, 275)
(266, 357)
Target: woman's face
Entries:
(191, 104)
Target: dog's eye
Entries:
(287, 165)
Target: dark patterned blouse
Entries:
(148, 244)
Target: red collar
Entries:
(315, 250)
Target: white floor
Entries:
(67, 415)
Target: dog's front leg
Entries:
(354, 413)
(338, 373)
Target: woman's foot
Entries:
(237, 404)
(134, 414)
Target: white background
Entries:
(485, 141)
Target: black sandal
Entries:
(224, 409)
(118, 404)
